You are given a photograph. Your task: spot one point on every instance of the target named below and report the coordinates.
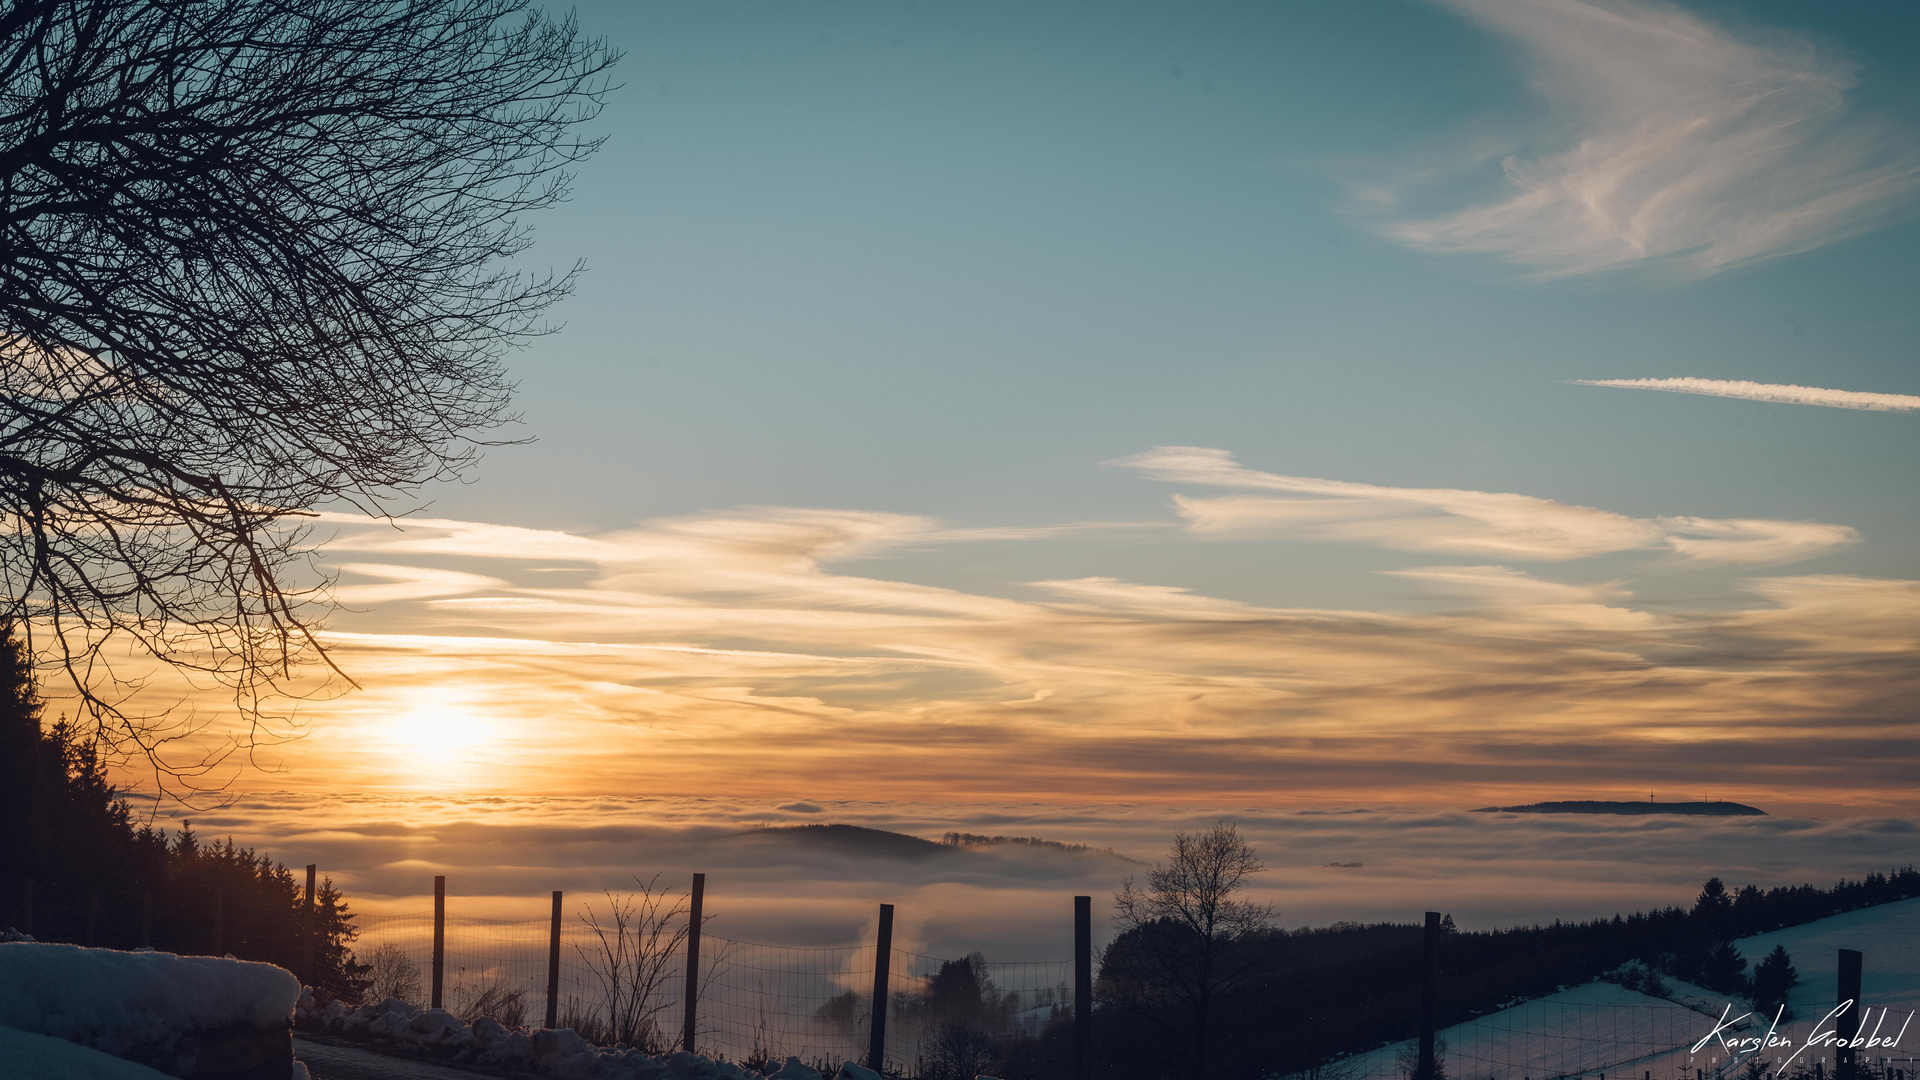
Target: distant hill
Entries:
(968, 840)
(858, 840)
(1592, 806)
(881, 844)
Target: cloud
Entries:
(503, 854)
(1678, 142)
(1753, 542)
(1784, 393)
(1461, 522)
(1531, 602)
(772, 655)
(408, 583)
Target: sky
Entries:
(1382, 404)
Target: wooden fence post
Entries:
(882, 959)
(553, 965)
(688, 1034)
(26, 910)
(1082, 988)
(219, 921)
(308, 930)
(1845, 1058)
(146, 918)
(93, 912)
(1429, 996)
(439, 936)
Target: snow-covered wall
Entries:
(175, 1013)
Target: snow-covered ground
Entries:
(161, 1010)
(27, 1056)
(1888, 938)
(1580, 1031)
(1599, 1029)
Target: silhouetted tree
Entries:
(254, 264)
(1773, 978)
(1713, 905)
(1724, 969)
(954, 992)
(63, 825)
(61, 822)
(1187, 947)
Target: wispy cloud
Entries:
(777, 653)
(739, 652)
(1678, 141)
(500, 849)
(1783, 393)
(1461, 522)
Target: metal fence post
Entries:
(307, 931)
(688, 1027)
(1082, 988)
(1429, 995)
(553, 965)
(882, 959)
(439, 936)
(1846, 1059)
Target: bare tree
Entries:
(634, 952)
(1187, 945)
(392, 974)
(255, 262)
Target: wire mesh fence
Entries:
(756, 1001)
(762, 1002)
(1549, 1039)
(191, 921)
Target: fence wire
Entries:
(760, 1003)
(757, 1002)
(1550, 1039)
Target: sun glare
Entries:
(440, 741)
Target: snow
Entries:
(1888, 938)
(548, 1052)
(553, 1052)
(794, 1069)
(116, 1001)
(1581, 1031)
(25, 1055)
(1597, 1028)
(147, 1006)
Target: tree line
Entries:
(98, 877)
(1199, 982)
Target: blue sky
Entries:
(909, 270)
(947, 260)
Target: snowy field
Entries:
(1888, 937)
(1579, 1032)
(1599, 1029)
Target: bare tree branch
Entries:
(255, 262)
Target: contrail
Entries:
(1785, 393)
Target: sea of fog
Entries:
(502, 856)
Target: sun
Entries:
(438, 732)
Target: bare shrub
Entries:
(585, 1021)
(496, 997)
(392, 974)
(961, 1051)
(635, 945)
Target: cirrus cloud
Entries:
(1781, 393)
(1461, 522)
(1679, 142)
